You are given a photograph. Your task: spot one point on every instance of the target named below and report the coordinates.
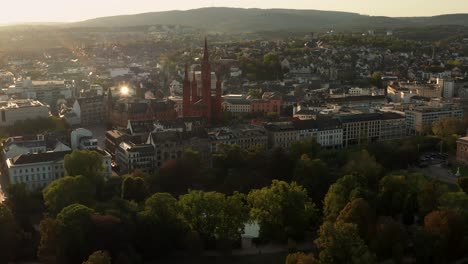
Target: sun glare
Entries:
(124, 90)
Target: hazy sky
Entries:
(75, 10)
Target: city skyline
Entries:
(65, 11)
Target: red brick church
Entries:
(206, 104)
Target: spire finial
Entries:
(186, 72)
(205, 53)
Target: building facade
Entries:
(206, 104)
(462, 150)
(130, 157)
(19, 110)
(420, 119)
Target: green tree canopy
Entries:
(161, 227)
(449, 230)
(87, 163)
(283, 210)
(134, 188)
(340, 243)
(9, 235)
(390, 240)
(315, 176)
(215, 215)
(66, 191)
(359, 212)
(98, 257)
(449, 126)
(364, 164)
(301, 258)
(74, 232)
(341, 193)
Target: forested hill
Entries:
(220, 19)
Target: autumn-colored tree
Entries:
(301, 258)
(359, 212)
(340, 243)
(98, 257)
(449, 229)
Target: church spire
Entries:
(186, 72)
(206, 55)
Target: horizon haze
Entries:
(25, 11)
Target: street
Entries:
(440, 173)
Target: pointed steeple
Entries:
(186, 73)
(206, 55)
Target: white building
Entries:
(15, 146)
(236, 103)
(40, 169)
(48, 92)
(447, 86)
(20, 110)
(116, 72)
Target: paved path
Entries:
(440, 173)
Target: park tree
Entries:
(9, 235)
(364, 164)
(314, 175)
(74, 232)
(66, 191)
(109, 233)
(341, 193)
(448, 126)
(283, 210)
(134, 188)
(393, 192)
(177, 176)
(390, 240)
(98, 257)
(49, 251)
(215, 215)
(376, 79)
(301, 258)
(280, 165)
(308, 147)
(450, 234)
(23, 204)
(429, 196)
(359, 212)
(463, 184)
(160, 226)
(87, 163)
(454, 201)
(340, 243)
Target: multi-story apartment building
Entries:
(359, 129)
(330, 133)
(90, 110)
(15, 146)
(170, 145)
(37, 170)
(19, 110)
(47, 92)
(130, 157)
(272, 105)
(246, 137)
(392, 127)
(236, 105)
(281, 134)
(420, 119)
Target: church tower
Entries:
(194, 89)
(206, 82)
(186, 105)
